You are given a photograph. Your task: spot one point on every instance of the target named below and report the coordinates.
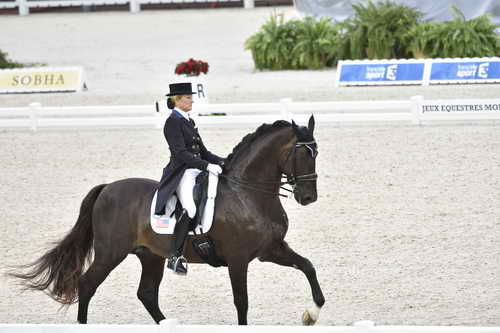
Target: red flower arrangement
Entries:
(192, 67)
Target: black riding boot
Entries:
(176, 261)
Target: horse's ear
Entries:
(294, 125)
(310, 126)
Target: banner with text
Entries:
(41, 79)
(380, 72)
(460, 106)
(465, 71)
(418, 72)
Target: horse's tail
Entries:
(59, 269)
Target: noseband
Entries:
(291, 179)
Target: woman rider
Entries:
(188, 157)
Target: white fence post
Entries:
(23, 7)
(416, 109)
(34, 110)
(135, 6)
(285, 109)
(248, 4)
(427, 72)
(158, 122)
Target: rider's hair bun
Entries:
(170, 103)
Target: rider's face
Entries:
(185, 103)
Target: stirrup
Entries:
(177, 264)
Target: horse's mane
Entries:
(251, 137)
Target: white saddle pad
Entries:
(166, 224)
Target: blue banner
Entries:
(388, 72)
(458, 71)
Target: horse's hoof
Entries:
(307, 319)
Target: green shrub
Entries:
(377, 31)
(461, 38)
(296, 44)
(316, 45)
(418, 40)
(458, 38)
(384, 30)
(6, 63)
(272, 46)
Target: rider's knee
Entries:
(191, 210)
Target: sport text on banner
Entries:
(41, 79)
(474, 70)
(380, 72)
(418, 72)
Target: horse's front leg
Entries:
(282, 254)
(238, 274)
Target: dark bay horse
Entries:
(249, 223)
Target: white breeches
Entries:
(185, 190)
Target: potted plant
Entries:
(192, 70)
(191, 67)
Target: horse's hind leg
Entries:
(91, 280)
(152, 273)
(282, 254)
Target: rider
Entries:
(188, 157)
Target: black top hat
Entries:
(180, 89)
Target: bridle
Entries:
(291, 179)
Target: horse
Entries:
(249, 223)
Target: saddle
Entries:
(200, 196)
(174, 209)
(202, 244)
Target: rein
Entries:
(248, 185)
(291, 179)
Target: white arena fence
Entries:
(415, 111)
(360, 327)
(24, 6)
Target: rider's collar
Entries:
(182, 113)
